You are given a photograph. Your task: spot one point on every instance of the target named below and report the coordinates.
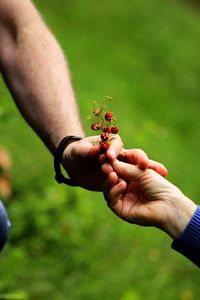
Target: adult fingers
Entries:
(103, 159)
(92, 145)
(106, 168)
(115, 147)
(111, 180)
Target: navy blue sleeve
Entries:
(188, 243)
(4, 226)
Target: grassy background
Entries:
(65, 243)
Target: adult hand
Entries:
(146, 198)
(81, 161)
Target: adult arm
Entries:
(35, 70)
(36, 73)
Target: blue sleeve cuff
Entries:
(188, 243)
(4, 226)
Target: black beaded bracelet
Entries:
(66, 141)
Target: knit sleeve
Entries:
(4, 226)
(188, 243)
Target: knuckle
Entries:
(140, 151)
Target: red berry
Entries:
(108, 116)
(107, 129)
(114, 129)
(98, 125)
(105, 136)
(94, 127)
(104, 147)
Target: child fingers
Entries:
(113, 195)
(127, 171)
(135, 157)
(157, 167)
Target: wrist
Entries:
(60, 134)
(180, 215)
(58, 158)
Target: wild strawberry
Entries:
(98, 125)
(104, 147)
(105, 136)
(114, 129)
(107, 129)
(94, 127)
(108, 116)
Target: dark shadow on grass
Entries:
(194, 3)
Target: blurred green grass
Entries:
(65, 243)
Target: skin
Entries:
(91, 161)
(81, 159)
(36, 72)
(37, 75)
(146, 198)
(42, 92)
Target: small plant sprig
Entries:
(105, 122)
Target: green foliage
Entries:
(64, 242)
